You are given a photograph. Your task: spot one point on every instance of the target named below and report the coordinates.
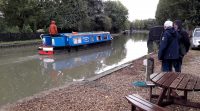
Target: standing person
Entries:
(184, 41)
(53, 28)
(169, 49)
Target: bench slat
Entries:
(177, 81)
(158, 77)
(192, 82)
(138, 101)
(197, 86)
(164, 78)
(153, 75)
(137, 104)
(182, 85)
(171, 79)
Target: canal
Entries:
(24, 73)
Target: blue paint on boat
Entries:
(62, 40)
(75, 39)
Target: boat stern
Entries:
(44, 50)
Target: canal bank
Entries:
(105, 93)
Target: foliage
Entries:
(12, 29)
(102, 23)
(4, 28)
(186, 10)
(94, 7)
(99, 21)
(86, 25)
(2, 25)
(143, 24)
(70, 15)
(118, 14)
(19, 12)
(26, 28)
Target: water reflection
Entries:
(58, 65)
(125, 49)
(23, 72)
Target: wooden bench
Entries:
(151, 85)
(142, 104)
(183, 82)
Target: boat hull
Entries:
(70, 40)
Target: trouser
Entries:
(54, 35)
(167, 65)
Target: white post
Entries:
(149, 68)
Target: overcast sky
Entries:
(140, 9)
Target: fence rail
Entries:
(7, 37)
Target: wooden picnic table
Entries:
(171, 81)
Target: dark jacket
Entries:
(169, 45)
(184, 42)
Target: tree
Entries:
(71, 13)
(143, 24)
(18, 12)
(118, 14)
(102, 22)
(2, 25)
(95, 7)
(185, 10)
(47, 11)
(99, 21)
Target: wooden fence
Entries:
(7, 37)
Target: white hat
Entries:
(168, 24)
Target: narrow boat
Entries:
(69, 40)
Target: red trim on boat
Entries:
(45, 52)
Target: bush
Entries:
(2, 25)
(14, 29)
(26, 29)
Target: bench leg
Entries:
(169, 94)
(161, 97)
(133, 108)
(150, 93)
(185, 95)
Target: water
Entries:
(23, 72)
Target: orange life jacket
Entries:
(53, 28)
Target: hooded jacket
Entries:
(184, 40)
(53, 28)
(169, 45)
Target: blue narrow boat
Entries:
(68, 40)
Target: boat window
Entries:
(105, 37)
(92, 39)
(99, 37)
(77, 40)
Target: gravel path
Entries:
(106, 93)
